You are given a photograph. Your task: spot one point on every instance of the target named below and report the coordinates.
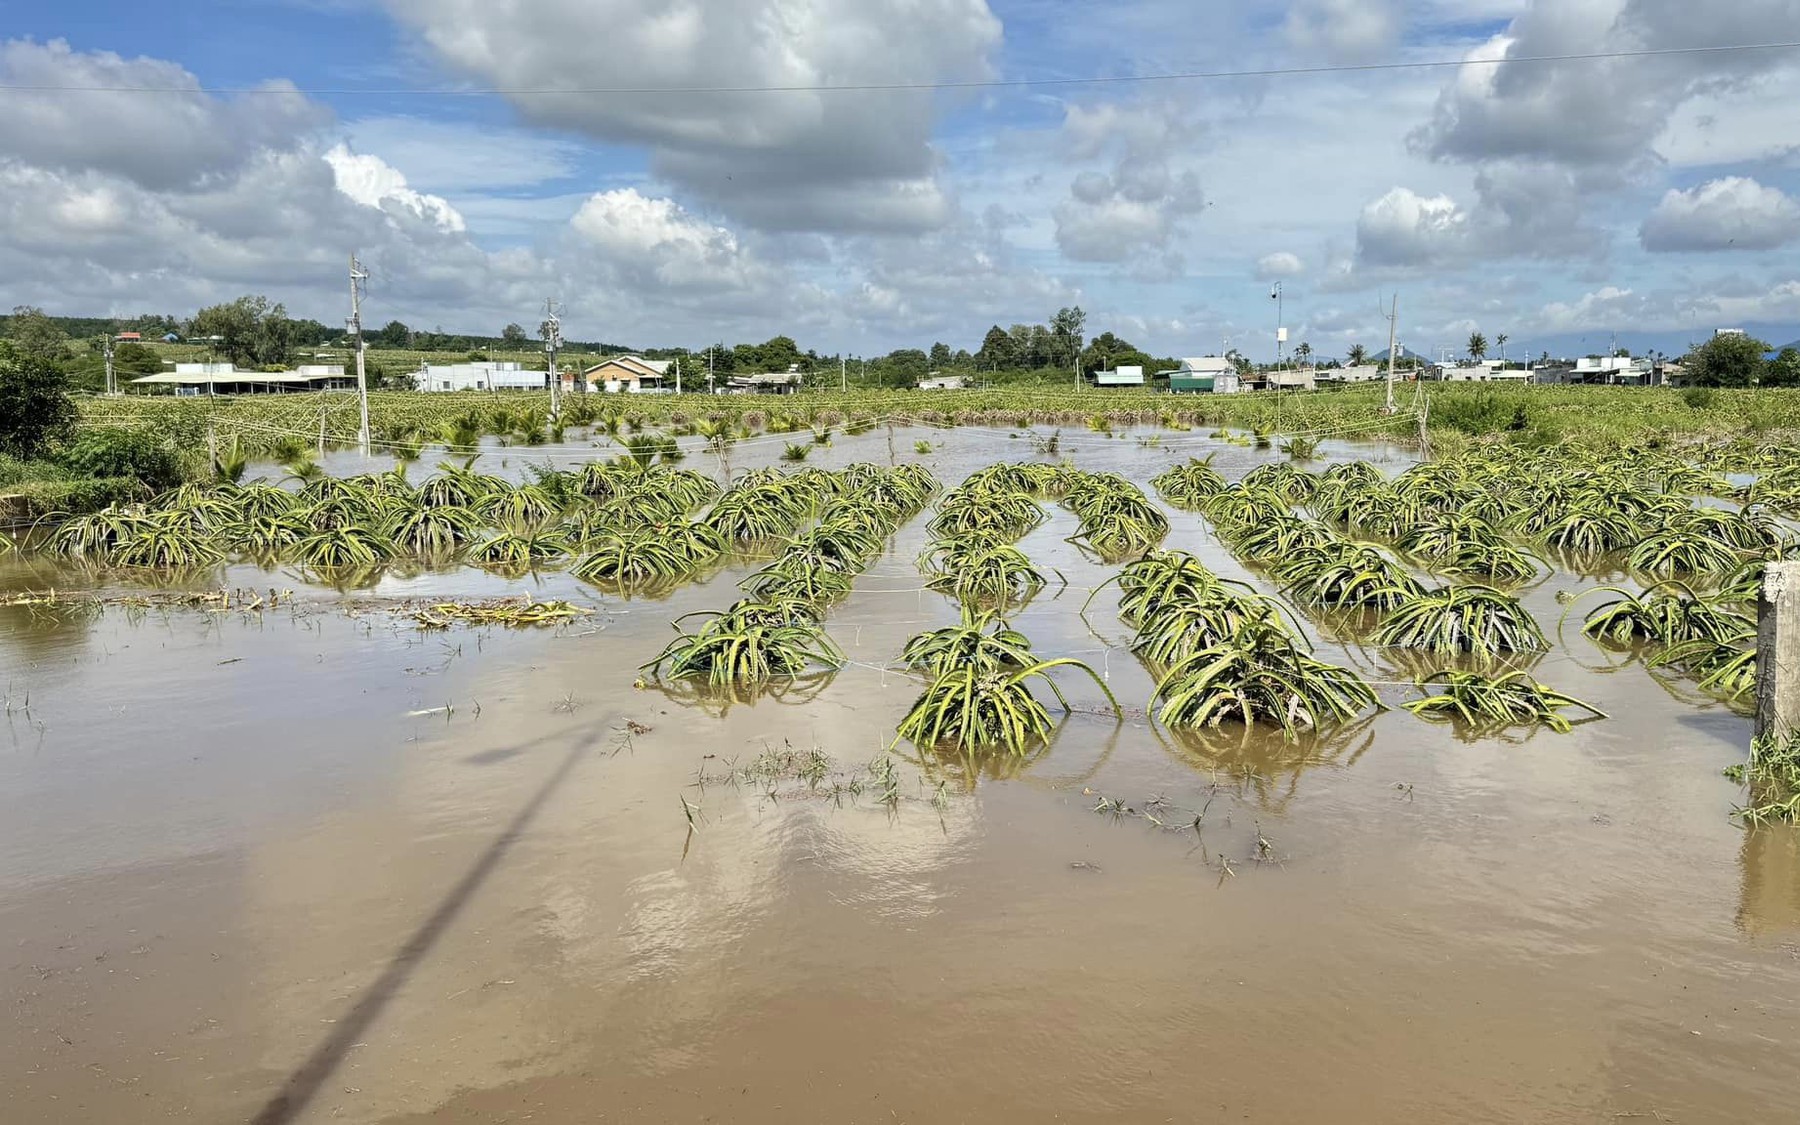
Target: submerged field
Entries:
(856, 840)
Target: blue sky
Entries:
(1654, 199)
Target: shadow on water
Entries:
(304, 1083)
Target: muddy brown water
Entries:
(252, 870)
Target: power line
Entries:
(876, 87)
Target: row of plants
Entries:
(457, 515)
(979, 673)
(1603, 417)
(776, 632)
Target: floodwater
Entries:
(311, 865)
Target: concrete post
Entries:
(1778, 651)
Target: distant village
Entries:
(638, 374)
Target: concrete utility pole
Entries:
(1280, 326)
(677, 374)
(843, 373)
(552, 333)
(1393, 334)
(112, 382)
(357, 277)
(1778, 652)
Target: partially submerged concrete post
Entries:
(1778, 652)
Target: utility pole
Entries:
(112, 382)
(709, 371)
(357, 277)
(1280, 327)
(552, 333)
(1393, 319)
(677, 374)
(843, 374)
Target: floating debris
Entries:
(515, 612)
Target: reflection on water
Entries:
(1770, 868)
(1264, 764)
(717, 700)
(1070, 749)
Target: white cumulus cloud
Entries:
(372, 182)
(1733, 213)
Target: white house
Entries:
(944, 383)
(1485, 371)
(226, 379)
(1614, 369)
(487, 376)
(1362, 373)
(1123, 377)
(1206, 374)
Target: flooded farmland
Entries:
(305, 862)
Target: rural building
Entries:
(626, 374)
(1486, 371)
(768, 383)
(1207, 374)
(129, 338)
(944, 383)
(1291, 379)
(1617, 371)
(487, 376)
(225, 379)
(1362, 373)
(1123, 377)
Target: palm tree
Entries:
(1477, 346)
(1357, 355)
(1500, 342)
(1303, 352)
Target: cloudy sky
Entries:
(459, 146)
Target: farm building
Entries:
(488, 376)
(1123, 377)
(1363, 373)
(626, 374)
(768, 383)
(1291, 379)
(1483, 371)
(225, 379)
(944, 383)
(1207, 374)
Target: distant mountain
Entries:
(1405, 353)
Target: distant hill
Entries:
(1405, 353)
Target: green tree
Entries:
(1066, 327)
(393, 334)
(996, 350)
(940, 356)
(1477, 346)
(1303, 352)
(135, 359)
(1357, 355)
(35, 409)
(33, 332)
(1726, 361)
(903, 368)
(1783, 370)
(251, 331)
(1500, 342)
